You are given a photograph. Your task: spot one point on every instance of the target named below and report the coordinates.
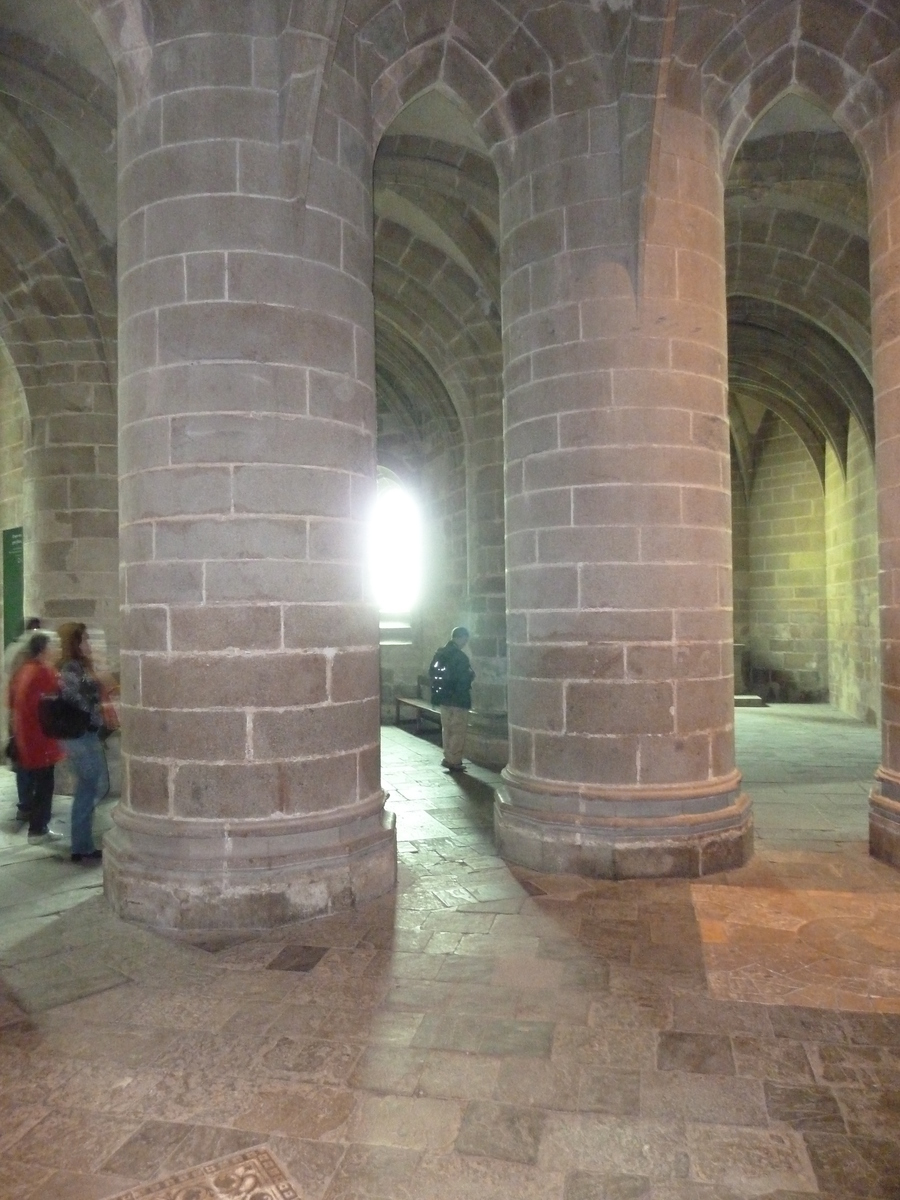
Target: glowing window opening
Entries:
(395, 548)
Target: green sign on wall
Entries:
(13, 584)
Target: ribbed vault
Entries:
(798, 281)
(436, 277)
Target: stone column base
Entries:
(195, 876)
(487, 740)
(624, 833)
(884, 818)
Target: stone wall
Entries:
(788, 617)
(852, 581)
(740, 548)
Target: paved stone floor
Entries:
(484, 1034)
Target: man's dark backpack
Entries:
(437, 675)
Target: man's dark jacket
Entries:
(451, 677)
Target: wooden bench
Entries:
(424, 710)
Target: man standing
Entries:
(451, 677)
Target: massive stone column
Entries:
(884, 256)
(618, 512)
(247, 423)
(485, 615)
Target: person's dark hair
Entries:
(32, 623)
(37, 644)
(459, 632)
(71, 637)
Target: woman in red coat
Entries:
(37, 753)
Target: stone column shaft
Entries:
(250, 656)
(884, 257)
(618, 516)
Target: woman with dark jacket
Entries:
(79, 685)
(37, 753)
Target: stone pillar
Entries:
(487, 740)
(884, 257)
(618, 514)
(247, 419)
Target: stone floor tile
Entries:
(622, 1011)
(465, 970)
(408, 1122)
(307, 1111)
(872, 1029)
(418, 995)
(563, 1004)
(370, 1173)
(301, 1020)
(461, 1076)
(143, 1154)
(205, 1143)
(527, 973)
(609, 1091)
(704, 1054)
(614, 1145)
(506, 1131)
(631, 1049)
(538, 1083)
(210, 1052)
(388, 1069)
(311, 1165)
(852, 1167)
(811, 1108)
(531, 1039)
(612, 941)
(588, 1185)
(483, 1000)
(312, 1060)
(711, 1099)
(461, 1177)
(755, 1160)
(807, 1024)
(72, 1142)
(778, 1059)
(17, 1119)
(386, 1028)
(712, 1191)
(869, 1066)
(869, 1112)
(447, 1032)
(70, 1185)
(703, 1014)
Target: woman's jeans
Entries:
(85, 754)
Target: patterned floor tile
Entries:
(254, 1172)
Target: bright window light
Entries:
(395, 549)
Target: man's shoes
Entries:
(41, 839)
(455, 767)
(92, 856)
(22, 815)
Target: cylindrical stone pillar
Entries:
(485, 614)
(884, 257)
(247, 426)
(618, 513)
